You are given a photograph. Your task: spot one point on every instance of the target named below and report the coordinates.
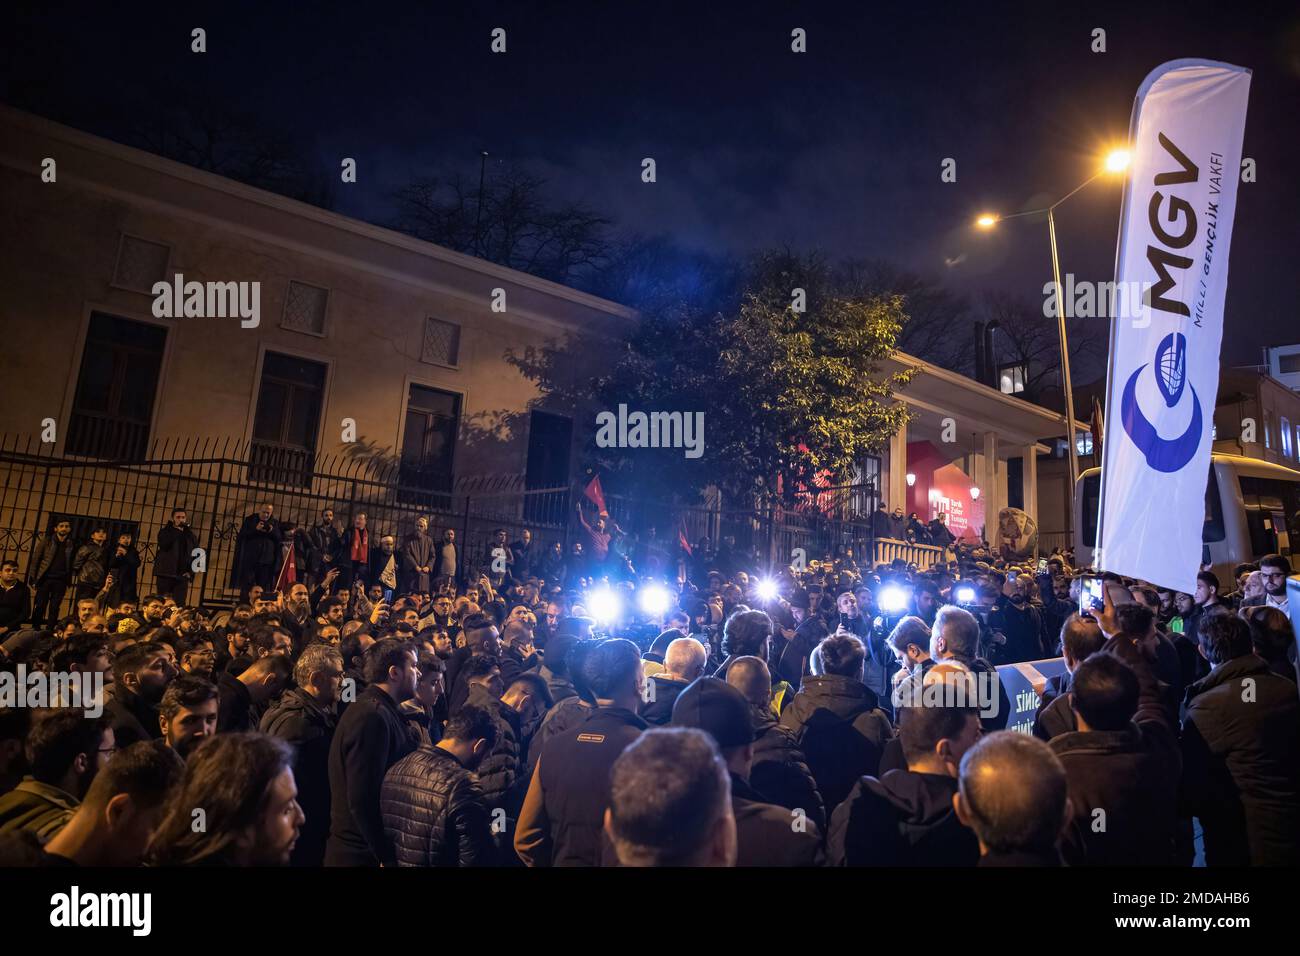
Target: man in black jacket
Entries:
(780, 770)
(906, 817)
(563, 817)
(1080, 639)
(174, 556)
(141, 674)
(499, 771)
(246, 697)
(766, 834)
(1122, 763)
(684, 661)
(1241, 752)
(433, 809)
(15, 598)
(305, 716)
(808, 633)
(257, 551)
(837, 720)
(370, 738)
(327, 545)
(955, 636)
(50, 572)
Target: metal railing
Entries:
(221, 481)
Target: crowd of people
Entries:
(373, 700)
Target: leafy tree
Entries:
(786, 395)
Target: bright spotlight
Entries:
(892, 599)
(603, 605)
(1117, 160)
(766, 590)
(987, 221)
(654, 600)
(964, 595)
(974, 494)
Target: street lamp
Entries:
(974, 493)
(911, 479)
(1116, 162)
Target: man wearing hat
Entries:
(766, 834)
(808, 633)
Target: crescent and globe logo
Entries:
(1170, 368)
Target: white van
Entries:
(1252, 508)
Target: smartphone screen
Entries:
(1090, 595)
(1042, 565)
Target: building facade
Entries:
(322, 361)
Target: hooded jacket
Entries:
(780, 770)
(298, 719)
(1130, 774)
(658, 710)
(765, 834)
(1241, 764)
(902, 818)
(838, 724)
(500, 776)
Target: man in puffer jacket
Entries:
(432, 806)
(837, 720)
(780, 771)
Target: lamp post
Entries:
(1116, 161)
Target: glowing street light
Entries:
(1116, 162)
(911, 479)
(974, 494)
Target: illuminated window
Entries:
(1268, 429)
(1284, 424)
(1011, 379)
(1083, 443)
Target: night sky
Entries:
(838, 149)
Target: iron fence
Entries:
(220, 481)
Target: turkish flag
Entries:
(596, 495)
(288, 571)
(681, 538)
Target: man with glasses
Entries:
(66, 749)
(1274, 570)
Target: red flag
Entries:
(288, 571)
(596, 495)
(681, 538)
